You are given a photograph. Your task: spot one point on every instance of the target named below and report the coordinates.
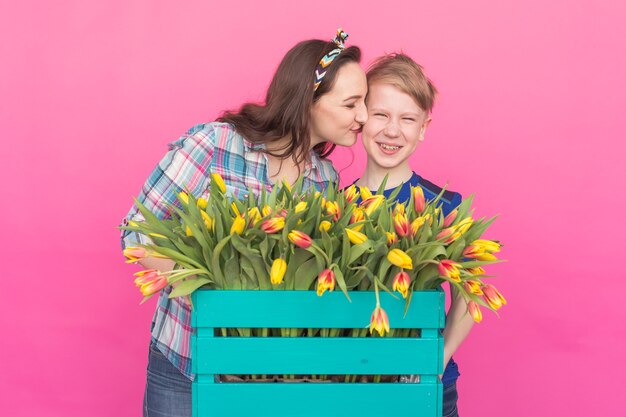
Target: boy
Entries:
(399, 102)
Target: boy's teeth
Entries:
(389, 148)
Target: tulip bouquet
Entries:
(295, 239)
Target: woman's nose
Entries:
(361, 115)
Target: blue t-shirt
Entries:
(449, 201)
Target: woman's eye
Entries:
(350, 106)
(380, 114)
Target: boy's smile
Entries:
(396, 124)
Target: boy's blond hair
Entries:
(405, 74)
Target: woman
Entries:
(316, 100)
(399, 102)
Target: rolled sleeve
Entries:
(186, 165)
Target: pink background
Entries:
(529, 119)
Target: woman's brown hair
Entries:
(289, 98)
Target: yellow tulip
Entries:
(416, 224)
(219, 181)
(182, 196)
(391, 238)
(239, 224)
(399, 209)
(277, 273)
(267, 210)
(254, 215)
(372, 204)
(208, 221)
(202, 203)
(188, 231)
(473, 287)
(464, 225)
(325, 225)
(159, 235)
(477, 270)
(301, 206)
(235, 209)
(332, 209)
(365, 193)
(488, 245)
(356, 237)
(400, 259)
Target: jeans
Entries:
(168, 391)
(450, 398)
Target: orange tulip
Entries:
(450, 218)
(450, 269)
(418, 199)
(273, 225)
(357, 216)
(401, 224)
(379, 321)
(493, 297)
(325, 281)
(351, 193)
(449, 235)
(134, 254)
(300, 239)
(150, 281)
(401, 283)
(474, 310)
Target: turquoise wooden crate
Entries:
(301, 355)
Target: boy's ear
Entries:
(424, 127)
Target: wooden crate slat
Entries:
(314, 355)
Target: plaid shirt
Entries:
(204, 149)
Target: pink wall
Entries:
(530, 119)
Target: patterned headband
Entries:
(321, 69)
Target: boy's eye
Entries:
(380, 114)
(410, 119)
